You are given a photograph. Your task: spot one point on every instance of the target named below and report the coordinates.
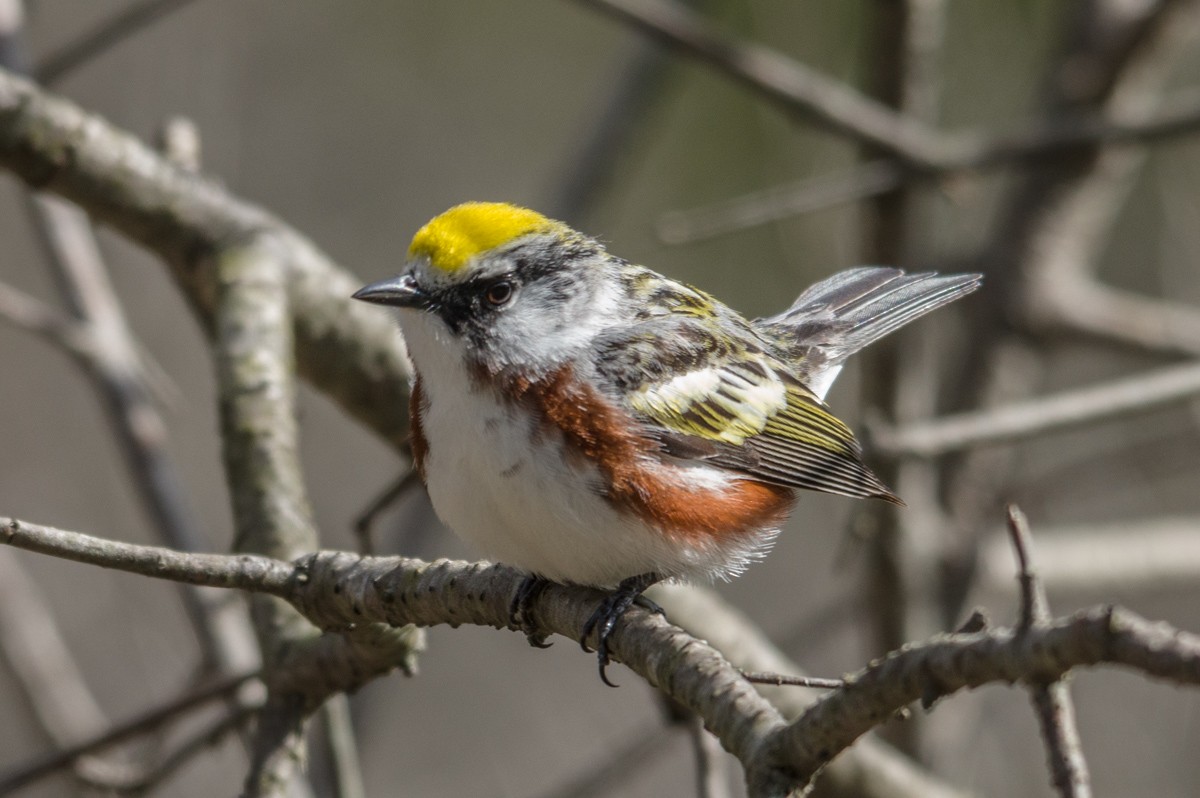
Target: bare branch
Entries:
(1085, 306)
(963, 154)
(781, 80)
(1035, 607)
(29, 313)
(642, 749)
(709, 758)
(1065, 410)
(34, 651)
(1145, 554)
(103, 38)
(348, 350)
(270, 503)
(948, 663)
(780, 679)
(338, 591)
(145, 723)
(338, 731)
(1052, 698)
(143, 780)
(244, 571)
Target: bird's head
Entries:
(502, 285)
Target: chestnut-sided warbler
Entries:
(595, 423)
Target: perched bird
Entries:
(595, 423)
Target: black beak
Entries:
(398, 292)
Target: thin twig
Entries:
(780, 679)
(33, 648)
(1035, 607)
(1135, 554)
(145, 723)
(617, 766)
(789, 84)
(196, 743)
(1057, 412)
(407, 481)
(338, 730)
(964, 154)
(711, 781)
(102, 38)
(31, 314)
(1051, 698)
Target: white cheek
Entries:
(539, 335)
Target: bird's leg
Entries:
(610, 611)
(518, 610)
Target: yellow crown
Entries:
(454, 237)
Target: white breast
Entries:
(500, 480)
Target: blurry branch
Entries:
(1051, 698)
(608, 133)
(1113, 62)
(338, 731)
(178, 139)
(109, 33)
(1141, 554)
(783, 81)
(409, 480)
(902, 551)
(141, 780)
(963, 154)
(1081, 304)
(34, 651)
(1057, 412)
(347, 350)
(617, 767)
(916, 152)
(102, 343)
(253, 352)
(341, 592)
(148, 722)
(31, 314)
(711, 779)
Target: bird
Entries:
(593, 422)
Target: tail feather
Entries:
(846, 312)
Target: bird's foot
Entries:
(628, 593)
(518, 610)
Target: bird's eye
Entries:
(498, 294)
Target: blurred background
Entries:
(357, 121)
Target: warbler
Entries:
(595, 423)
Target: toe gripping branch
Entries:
(518, 610)
(628, 593)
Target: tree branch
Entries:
(347, 350)
(1056, 412)
(1051, 699)
(781, 80)
(341, 592)
(144, 723)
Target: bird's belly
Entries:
(505, 484)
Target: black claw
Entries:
(518, 609)
(605, 618)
